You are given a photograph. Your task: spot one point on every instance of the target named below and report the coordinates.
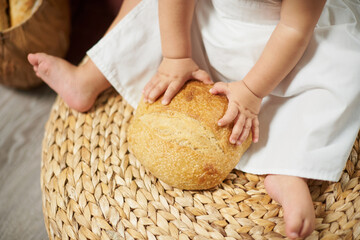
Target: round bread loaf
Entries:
(181, 143)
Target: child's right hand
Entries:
(172, 74)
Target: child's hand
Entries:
(172, 74)
(242, 110)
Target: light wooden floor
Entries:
(23, 115)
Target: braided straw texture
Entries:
(93, 188)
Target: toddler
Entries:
(262, 54)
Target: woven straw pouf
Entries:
(93, 188)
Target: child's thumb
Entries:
(219, 88)
(202, 76)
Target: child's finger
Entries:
(230, 114)
(157, 90)
(245, 132)
(202, 76)
(220, 88)
(237, 129)
(255, 130)
(149, 86)
(173, 88)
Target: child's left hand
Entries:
(172, 74)
(243, 109)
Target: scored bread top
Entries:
(170, 127)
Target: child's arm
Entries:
(286, 45)
(175, 19)
(177, 66)
(282, 52)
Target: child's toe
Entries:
(308, 228)
(293, 228)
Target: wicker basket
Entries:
(93, 188)
(47, 30)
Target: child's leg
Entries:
(78, 86)
(294, 196)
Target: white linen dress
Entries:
(308, 124)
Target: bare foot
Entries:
(294, 196)
(78, 86)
